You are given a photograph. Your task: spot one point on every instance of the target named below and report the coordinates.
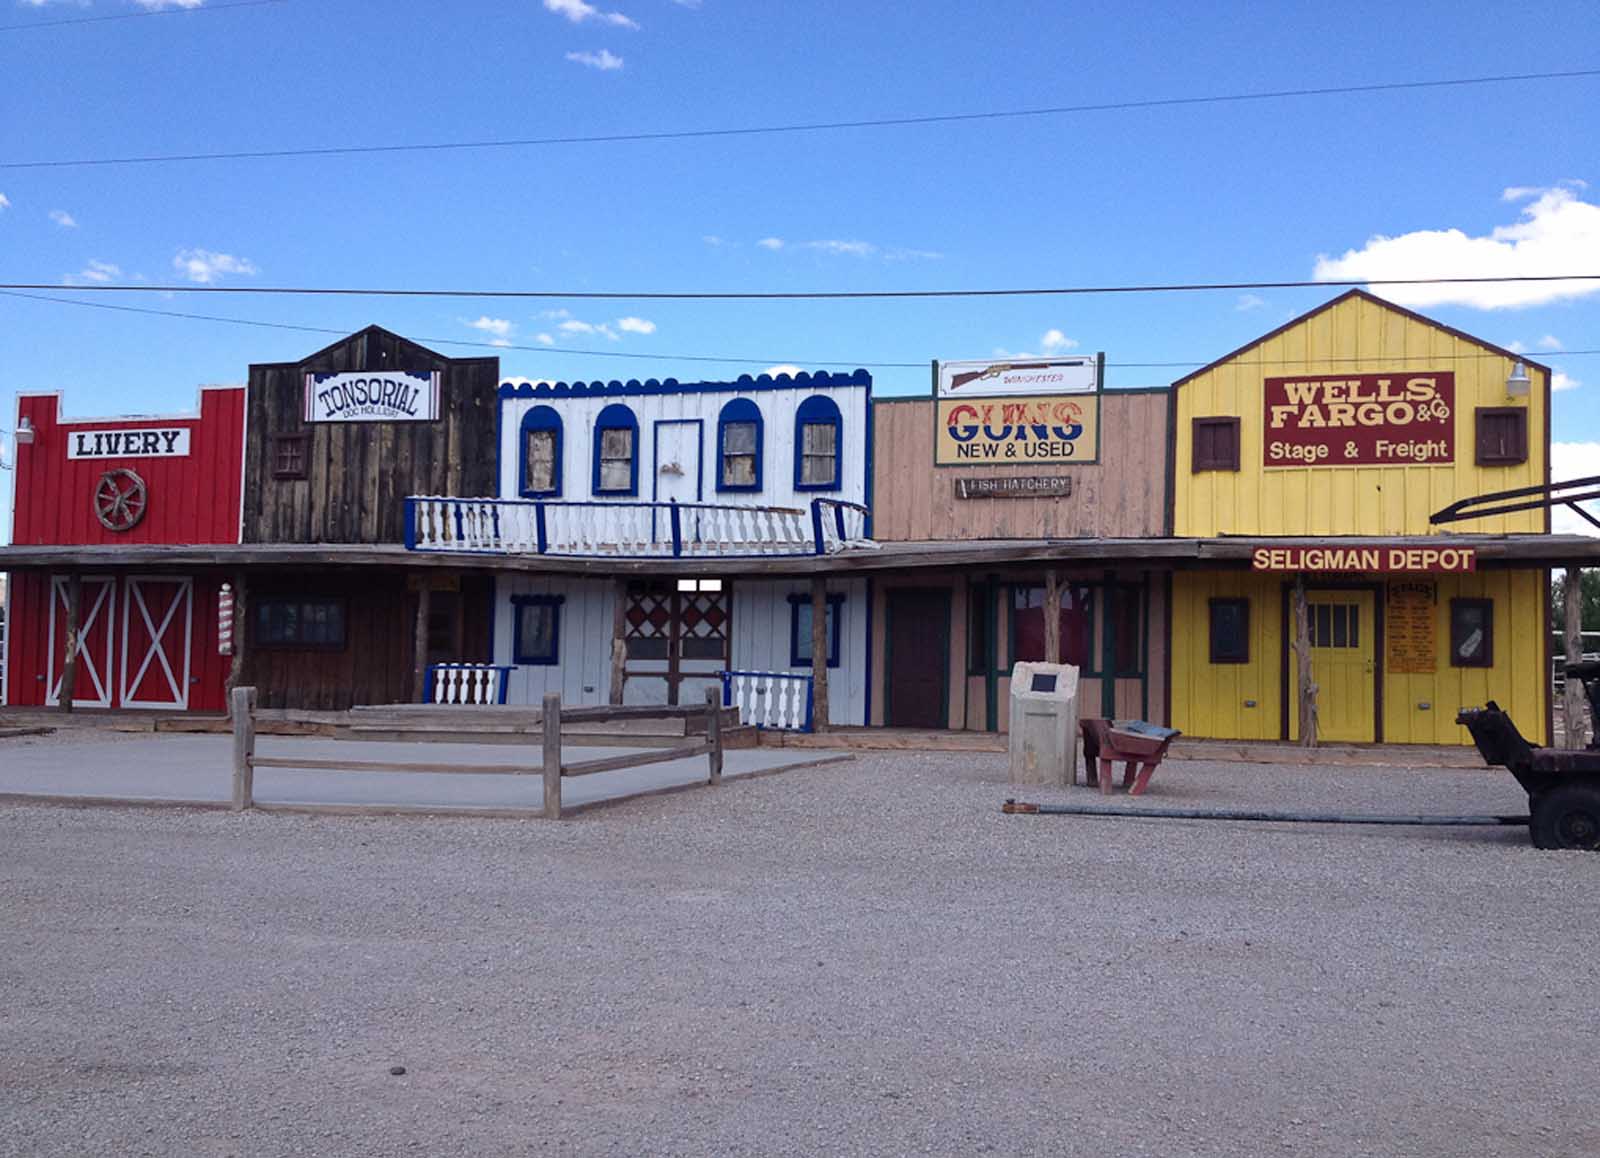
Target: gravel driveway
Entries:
(866, 958)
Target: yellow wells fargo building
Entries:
(1325, 446)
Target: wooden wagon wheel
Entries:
(120, 500)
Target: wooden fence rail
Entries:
(245, 760)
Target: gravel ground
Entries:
(866, 958)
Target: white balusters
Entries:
(467, 683)
(769, 699)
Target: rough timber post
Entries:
(819, 654)
(1572, 599)
(619, 641)
(236, 666)
(1052, 617)
(69, 667)
(419, 661)
(551, 723)
(714, 732)
(244, 748)
(1307, 696)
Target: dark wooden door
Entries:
(917, 667)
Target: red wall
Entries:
(193, 499)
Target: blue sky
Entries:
(1233, 192)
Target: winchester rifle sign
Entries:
(378, 396)
(1398, 419)
(1022, 376)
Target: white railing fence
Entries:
(769, 699)
(466, 683)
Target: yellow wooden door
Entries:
(1343, 666)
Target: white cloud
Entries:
(1573, 460)
(499, 327)
(1558, 233)
(554, 314)
(636, 325)
(771, 243)
(1054, 341)
(577, 326)
(499, 342)
(1549, 342)
(912, 255)
(846, 248)
(5, 202)
(95, 273)
(1248, 302)
(204, 267)
(1517, 347)
(64, 219)
(712, 239)
(788, 368)
(544, 339)
(1560, 381)
(162, 5)
(580, 12)
(603, 60)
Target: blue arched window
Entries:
(739, 441)
(818, 439)
(616, 451)
(540, 471)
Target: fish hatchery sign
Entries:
(378, 396)
(1014, 486)
(1396, 419)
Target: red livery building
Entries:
(149, 639)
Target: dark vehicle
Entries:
(1563, 786)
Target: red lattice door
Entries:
(676, 633)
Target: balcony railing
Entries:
(631, 529)
(769, 699)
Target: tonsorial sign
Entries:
(1397, 419)
(130, 442)
(375, 396)
(1016, 431)
(1370, 559)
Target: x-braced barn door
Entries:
(677, 634)
(97, 613)
(157, 625)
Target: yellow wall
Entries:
(1209, 700)
(1359, 335)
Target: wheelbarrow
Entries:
(1563, 786)
(1138, 745)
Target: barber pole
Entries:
(225, 620)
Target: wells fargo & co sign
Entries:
(1397, 419)
(1374, 559)
(1017, 431)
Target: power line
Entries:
(793, 295)
(723, 359)
(134, 15)
(809, 127)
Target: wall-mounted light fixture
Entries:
(1518, 384)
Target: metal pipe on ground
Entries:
(1023, 808)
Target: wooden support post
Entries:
(552, 756)
(244, 748)
(619, 641)
(1052, 618)
(1307, 689)
(236, 666)
(714, 732)
(419, 662)
(69, 667)
(1572, 707)
(819, 654)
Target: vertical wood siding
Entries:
(1357, 335)
(1123, 495)
(360, 473)
(192, 499)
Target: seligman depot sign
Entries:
(1399, 419)
(378, 396)
(1017, 431)
(1376, 560)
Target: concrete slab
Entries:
(185, 769)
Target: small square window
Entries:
(1472, 633)
(819, 453)
(739, 454)
(302, 623)
(537, 629)
(289, 456)
(800, 629)
(1230, 631)
(1215, 444)
(616, 459)
(1502, 435)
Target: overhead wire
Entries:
(805, 127)
(471, 343)
(29, 26)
